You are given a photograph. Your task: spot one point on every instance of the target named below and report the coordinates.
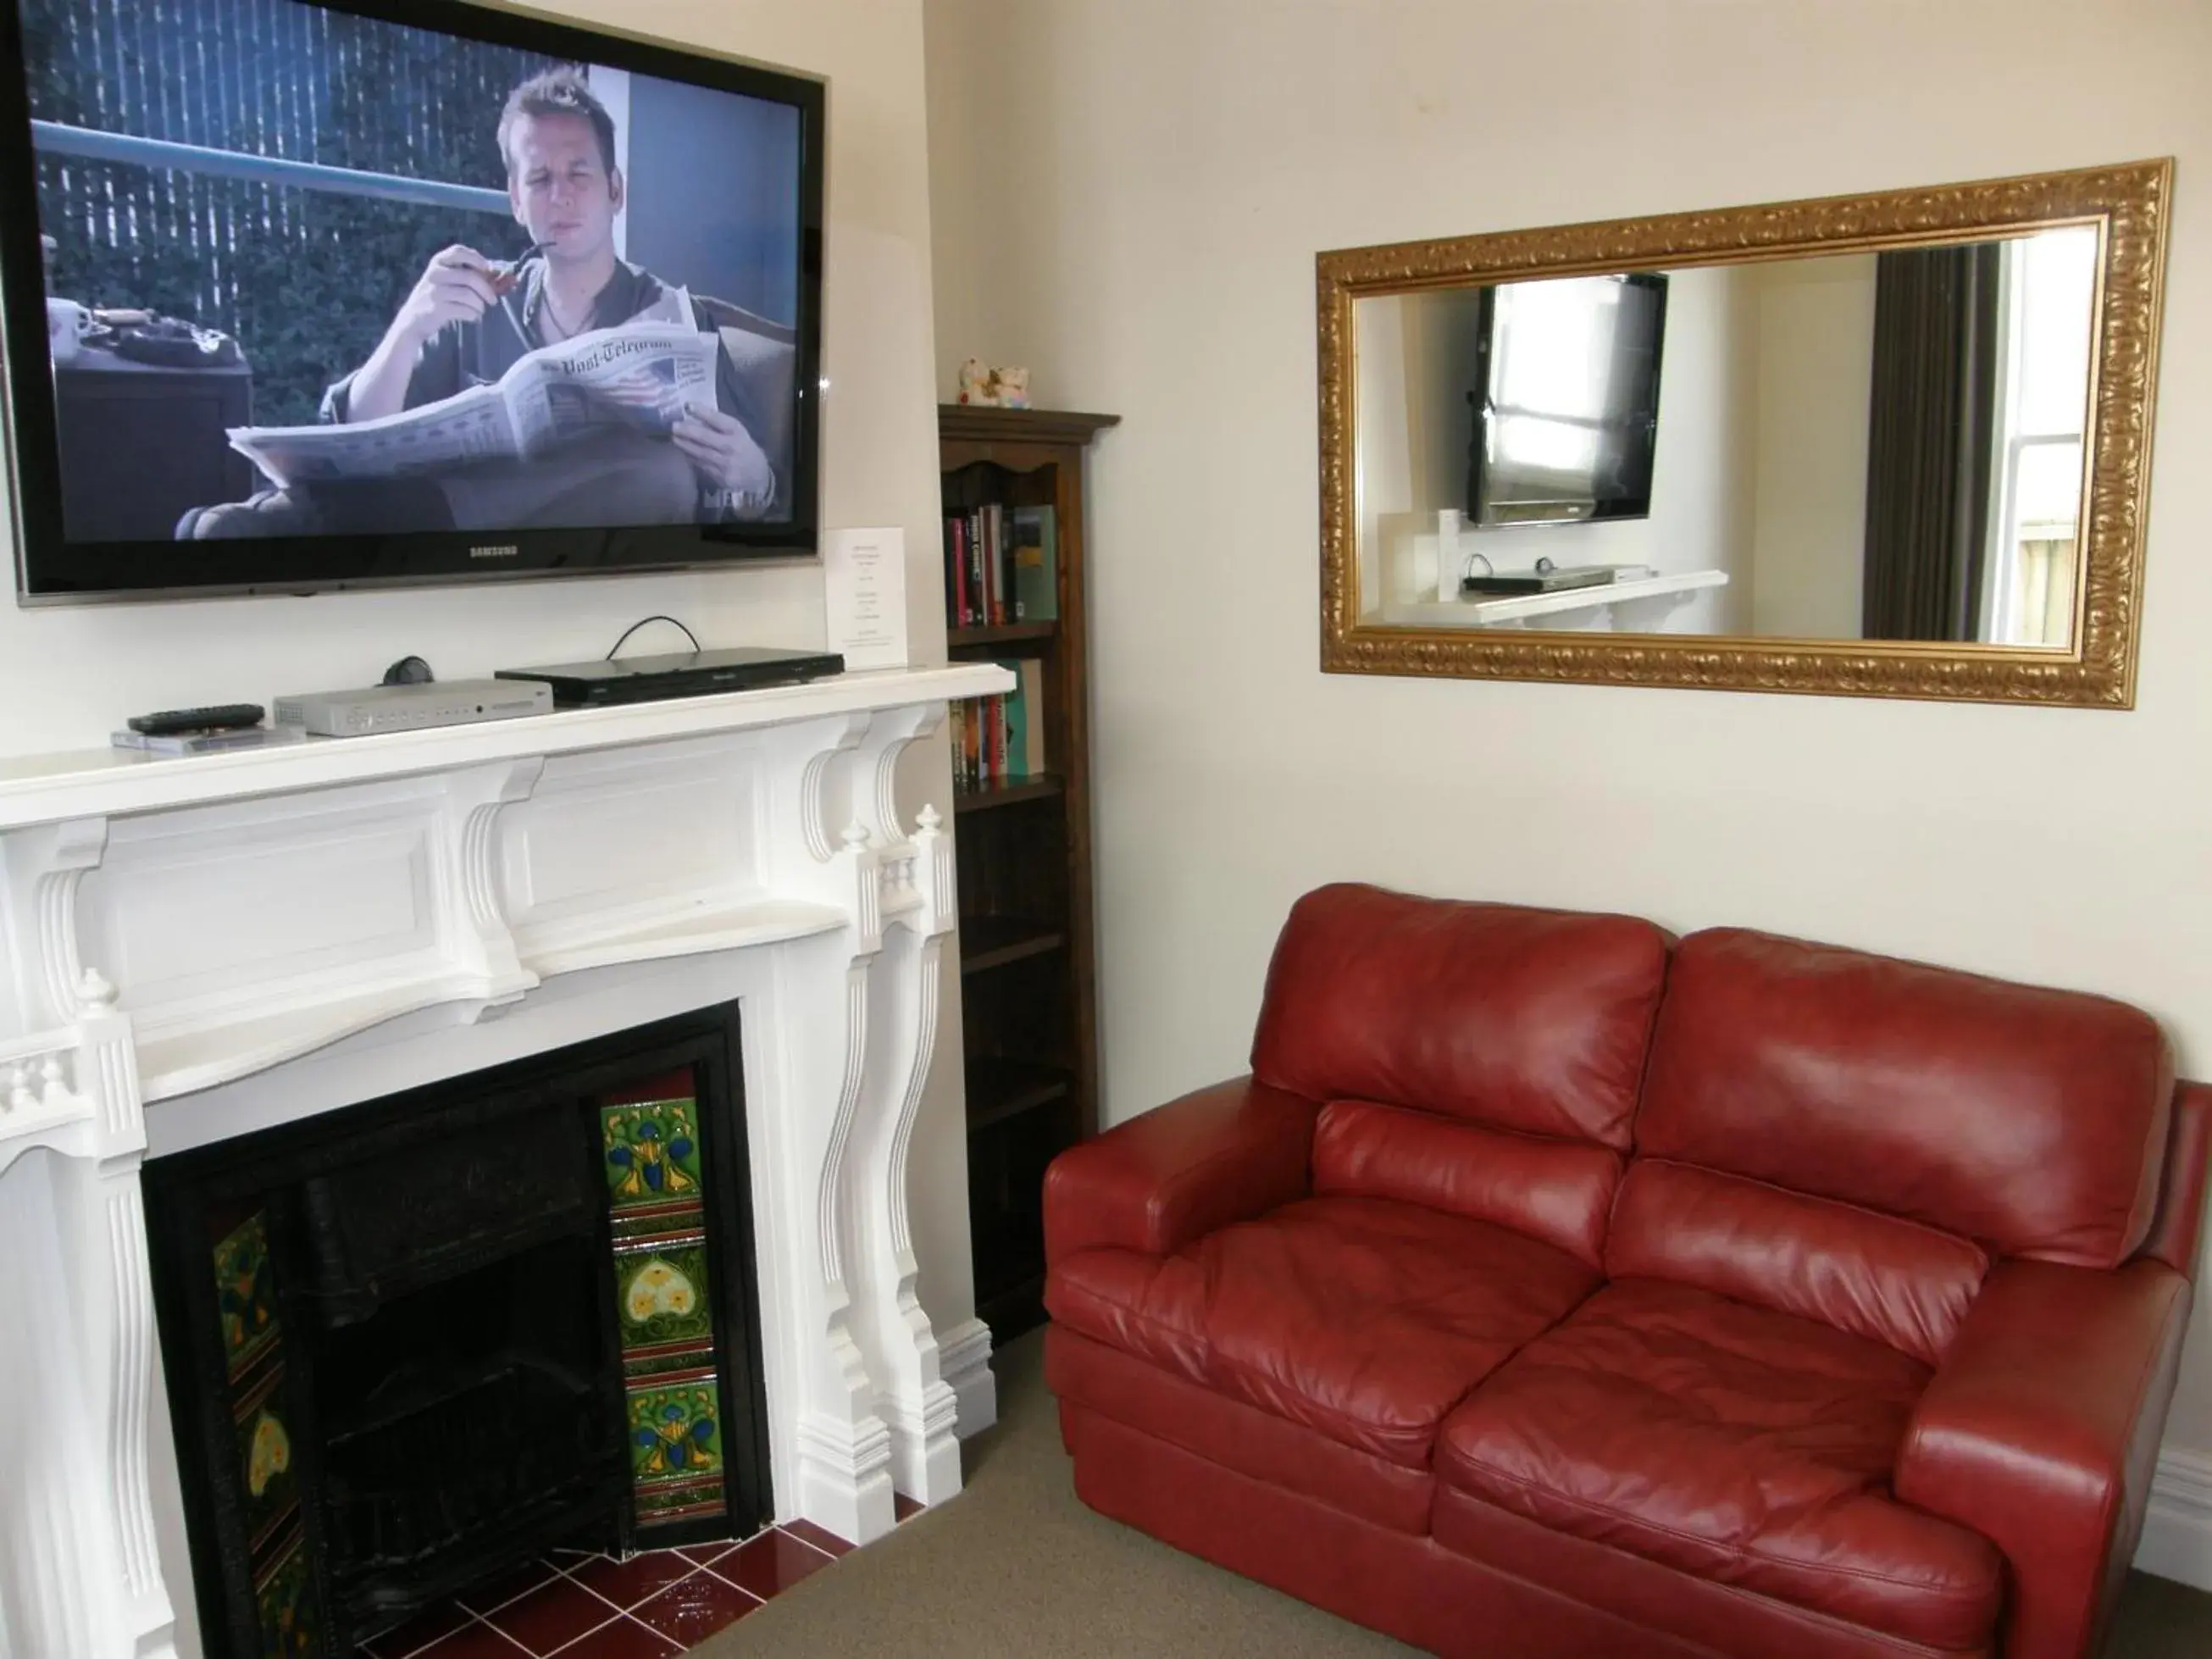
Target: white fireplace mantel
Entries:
(210, 941)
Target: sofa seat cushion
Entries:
(1367, 1320)
(1201, 1420)
(1740, 1444)
(1153, 1306)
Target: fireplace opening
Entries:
(464, 1413)
(419, 1339)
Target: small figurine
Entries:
(1011, 387)
(975, 383)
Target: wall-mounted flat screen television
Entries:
(1566, 400)
(313, 294)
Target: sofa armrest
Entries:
(2040, 1428)
(2178, 1224)
(1157, 1182)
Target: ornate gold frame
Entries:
(2129, 203)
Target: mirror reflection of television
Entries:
(311, 294)
(1567, 404)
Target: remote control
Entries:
(220, 717)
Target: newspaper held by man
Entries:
(641, 374)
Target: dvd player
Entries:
(681, 674)
(1538, 581)
(362, 711)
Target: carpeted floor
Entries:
(1016, 1566)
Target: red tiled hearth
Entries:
(552, 1616)
(827, 1542)
(692, 1610)
(473, 1641)
(624, 1638)
(655, 1605)
(771, 1563)
(627, 1583)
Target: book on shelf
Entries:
(998, 741)
(987, 572)
(1032, 695)
(1035, 536)
(1001, 566)
(1013, 730)
(956, 572)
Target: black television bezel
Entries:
(50, 569)
(1477, 456)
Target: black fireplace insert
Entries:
(416, 1340)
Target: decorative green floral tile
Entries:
(662, 1292)
(652, 1151)
(284, 1602)
(264, 1460)
(245, 1294)
(675, 1432)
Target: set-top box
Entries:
(368, 709)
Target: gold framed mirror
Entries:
(1894, 444)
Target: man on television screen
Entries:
(469, 318)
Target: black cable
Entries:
(641, 622)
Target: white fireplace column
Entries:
(79, 1572)
(220, 939)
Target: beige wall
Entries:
(1129, 194)
(1812, 325)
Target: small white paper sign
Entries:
(864, 574)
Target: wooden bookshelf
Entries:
(1027, 963)
(987, 942)
(1007, 793)
(998, 1090)
(1002, 634)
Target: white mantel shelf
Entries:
(194, 934)
(1520, 607)
(99, 782)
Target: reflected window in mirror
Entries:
(2049, 283)
(1980, 393)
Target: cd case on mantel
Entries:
(208, 743)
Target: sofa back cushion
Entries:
(1559, 1191)
(2033, 1121)
(1531, 1021)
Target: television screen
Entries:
(302, 295)
(1566, 408)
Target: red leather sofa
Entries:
(1554, 1288)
